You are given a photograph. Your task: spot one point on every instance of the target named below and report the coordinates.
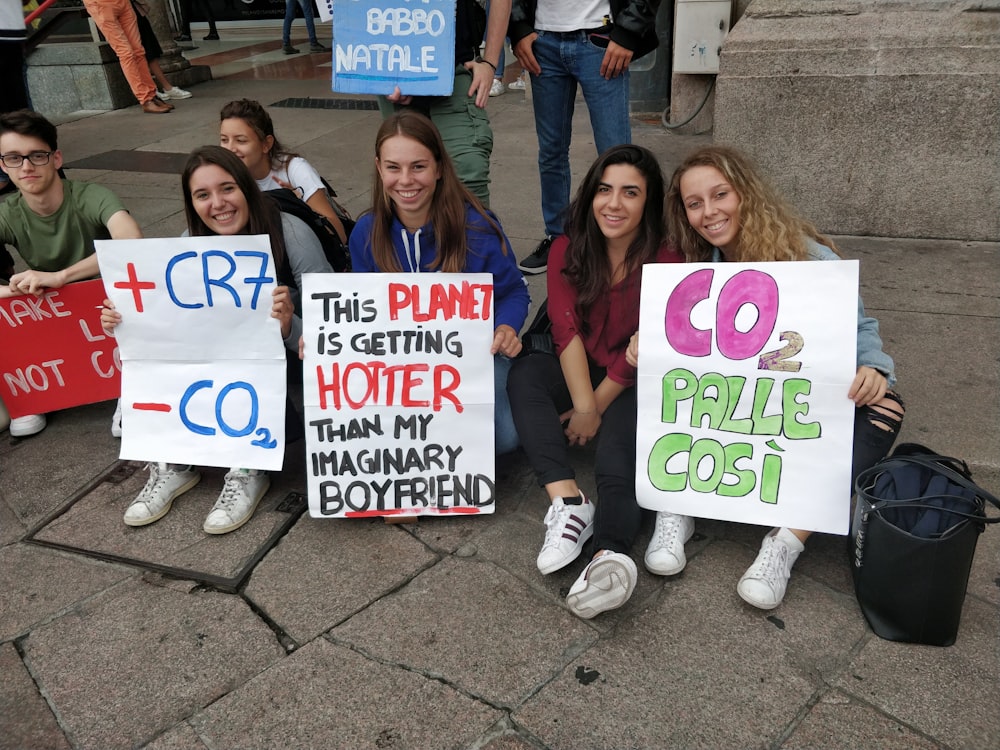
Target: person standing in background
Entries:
(461, 118)
(186, 6)
(116, 20)
(153, 54)
(564, 44)
(286, 30)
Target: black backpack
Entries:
(337, 253)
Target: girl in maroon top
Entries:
(587, 389)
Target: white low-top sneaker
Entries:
(31, 424)
(765, 582)
(165, 484)
(606, 583)
(567, 528)
(240, 495)
(665, 553)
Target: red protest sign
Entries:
(53, 352)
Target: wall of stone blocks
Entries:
(874, 118)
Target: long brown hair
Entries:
(265, 218)
(588, 268)
(769, 228)
(447, 211)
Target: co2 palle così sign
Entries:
(398, 393)
(378, 46)
(744, 371)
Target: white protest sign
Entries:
(744, 370)
(203, 365)
(398, 394)
(381, 44)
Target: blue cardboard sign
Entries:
(387, 43)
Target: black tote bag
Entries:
(917, 521)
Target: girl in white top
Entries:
(246, 130)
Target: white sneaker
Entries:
(240, 495)
(517, 85)
(606, 583)
(665, 553)
(29, 425)
(568, 527)
(163, 487)
(764, 583)
(497, 88)
(175, 93)
(116, 421)
(163, 95)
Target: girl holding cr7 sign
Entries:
(221, 198)
(587, 389)
(424, 220)
(720, 209)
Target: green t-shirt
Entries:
(56, 242)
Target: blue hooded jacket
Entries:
(486, 253)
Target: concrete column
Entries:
(874, 117)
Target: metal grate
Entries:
(310, 103)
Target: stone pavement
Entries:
(302, 633)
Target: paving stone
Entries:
(180, 737)
(123, 667)
(514, 547)
(837, 721)
(354, 562)
(25, 718)
(931, 688)
(11, 528)
(94, 523)
(984, 579)
(325, 695)
(36, 584)
(698, 668)
(457, 621)
(80, 438)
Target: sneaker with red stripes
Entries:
(567, 528)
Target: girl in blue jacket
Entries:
(425, 220)
(719, 208)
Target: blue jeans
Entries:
(307, 12)
(568, 59)
(505, 434)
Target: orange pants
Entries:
(116, 20)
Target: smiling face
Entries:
(28, 178)
(218, 200)
(619, 204)
(236, 135)
(712, 206)
(409, 174)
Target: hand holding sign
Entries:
(198, 320)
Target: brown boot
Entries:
(155, 107)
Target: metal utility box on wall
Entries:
(700, 27)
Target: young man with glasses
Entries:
(51, 222)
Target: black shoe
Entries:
(182, 38)
(317, 47)
(538, 261)
(212, 36)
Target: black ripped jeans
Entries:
(538, 395)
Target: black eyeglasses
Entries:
(38, 158)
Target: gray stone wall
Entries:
(875, 117)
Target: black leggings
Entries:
(538, 395)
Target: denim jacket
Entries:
(870, 352)
(634, 23)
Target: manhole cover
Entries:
(90, 523)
